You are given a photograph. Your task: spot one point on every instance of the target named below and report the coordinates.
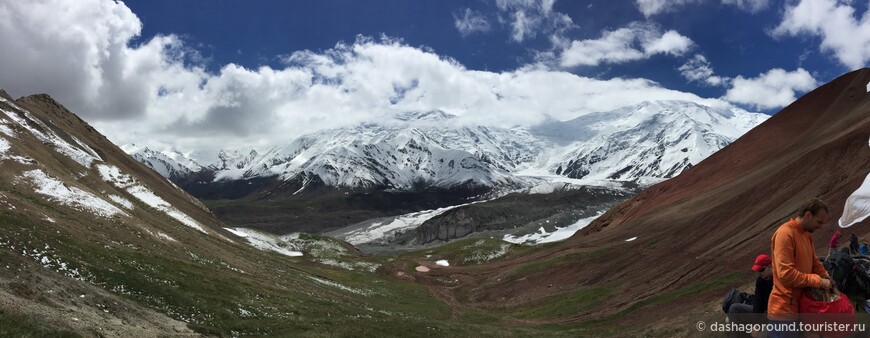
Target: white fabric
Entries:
(857, 206)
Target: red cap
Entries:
(761, 262)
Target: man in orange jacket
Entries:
(795, 264)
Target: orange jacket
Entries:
(795, 266)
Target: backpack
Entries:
(862, 276)
(735, 296)
(842, 268)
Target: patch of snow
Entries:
(5, 202)
(113, 175)
(165, 236)
(4, 147)
(327, 282)
(83, 156)
(421, 268)
(481, 257)
(122, 201)
(631, 239)
(70, 196)
(84, 147)
(48, 259)
(148, 197)
(184, 219)
(245, 313)
(50, 220)
(264, 241)
(442, 262)
(542, 236)
(352, 266)
(4, 128)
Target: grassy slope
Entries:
(282, 295)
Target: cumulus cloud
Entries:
(653, 7)
(85, 59)
(470, 22)
(635, 42)
(528, 18)
(81, 55)
(833, 21)
(698, 69)
(774, 89)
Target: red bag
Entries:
(824, 315)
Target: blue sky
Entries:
(258, 72)
(735, 41)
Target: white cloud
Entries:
(528, 18)
(635, 42)
(752, 6)
(698, 69)
(776, 88)
(653, 7)
(83, 57)
(833, 21)
(670, 42)
(470, 22)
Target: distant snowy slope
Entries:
(418, 150)
(651, 140)
(169, 163)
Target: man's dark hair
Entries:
(813, 206)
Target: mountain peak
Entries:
(5, 95)
(670, 104)
(433, 115)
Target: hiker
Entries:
(853, 245)
(835, 241)
(795, 265)
(739, 312)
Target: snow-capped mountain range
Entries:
(419, 150)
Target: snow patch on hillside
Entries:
(5, 129)
(82, 154)
(121, 201)
(362, 292)
(4, 147)
(165, 236)
(70, 196)
(113, 175)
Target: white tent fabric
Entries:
(857, 206)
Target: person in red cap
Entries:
(740, 313)
(835, 241)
